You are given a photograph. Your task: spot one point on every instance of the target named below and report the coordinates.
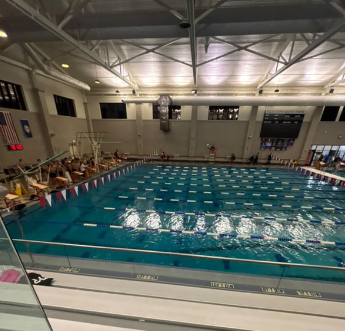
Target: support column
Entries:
(87, 114)
(193, 129)
(44, 117)
(42, 110)
(250, 132)
(311, 132)
(140, 128)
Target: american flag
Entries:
(7, 128)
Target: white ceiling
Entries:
(119, 25)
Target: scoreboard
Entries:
(281, 124)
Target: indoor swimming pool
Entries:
(268, 214)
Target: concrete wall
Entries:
(52, 87)
(61, 128)
(327, 133)
(34, 148)
(176, 141)
(64, 129)
(227, 136)
(123, 131)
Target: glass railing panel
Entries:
(19, 306)
(198, 270)
(314, 282)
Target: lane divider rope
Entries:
(229, 193)
(202, 233)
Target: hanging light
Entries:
(97, 81)
(117, 91)
(3, 34)
(64, 65)
(276, 90)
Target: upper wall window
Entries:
(330, 113)
(174, 112)
(342, 116)
(113, 110)
(223, 113)
(64, 106)
(11, 96)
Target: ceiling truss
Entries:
(52, 27)
(282, 59)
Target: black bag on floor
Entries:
(37, 279)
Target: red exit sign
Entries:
(15, 147)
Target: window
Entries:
(330, 113)
(11, 96)
(174, 112)
(113, 110)
(342, 116)
(64, 106)
(223, 113)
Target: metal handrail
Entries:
(206, 257)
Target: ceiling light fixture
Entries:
(184, 24)
(276, 90)
(3, 34)
(194, 91)
(64, 65)
(331, 90)
(97, 81)
(133, 92)
(117, 91)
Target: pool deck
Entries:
(144, 305)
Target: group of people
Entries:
(73, 168)
(329, 162)
(254, 159)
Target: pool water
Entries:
(224, 202)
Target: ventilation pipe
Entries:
(309, 100)
(53, 73)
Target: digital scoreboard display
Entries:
(16, 147)
(281, 124)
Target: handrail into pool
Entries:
(207, 257)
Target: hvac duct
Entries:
(250, 101)
(53, 73)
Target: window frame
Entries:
(14, 96)
(70, 105)
(173, 110)
(109, 117)
(328, 109)
(223, 113)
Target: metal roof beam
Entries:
(192, 39)
(339, 24)
(47, 58)
(278, 53)
(171, 10)
(73, 8)
(235, 50)
(335, 81)
(50, 26)
(147, 51)
(246, 49)
(209, 11)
